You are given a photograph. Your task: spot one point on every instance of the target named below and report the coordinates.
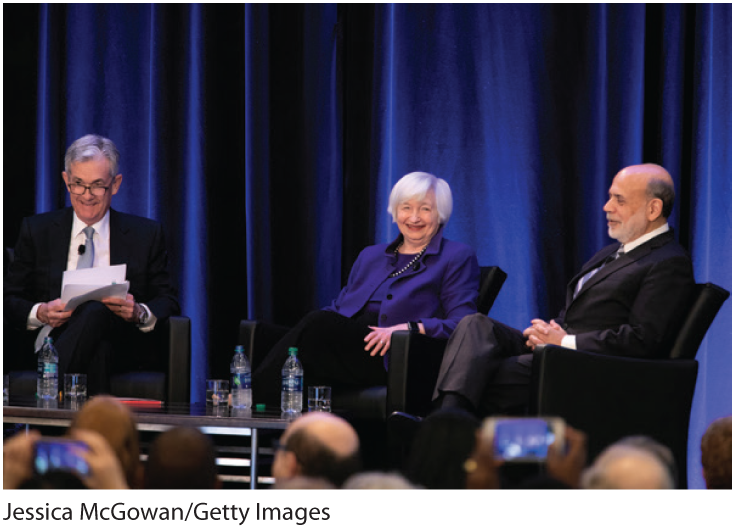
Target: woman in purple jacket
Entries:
(421, 282)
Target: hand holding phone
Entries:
(18, 458)
(524, 439)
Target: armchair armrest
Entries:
(413, 368)
(179, 359)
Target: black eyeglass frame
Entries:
(91, 189)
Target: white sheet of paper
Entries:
(75, 295)
(78, 286)
(100, 275)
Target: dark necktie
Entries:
(87, 258)
(609, 259)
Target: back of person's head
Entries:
(627, 467)
(443, 442)
(657, 449)
(318, 445)
(181, 458)
(717, 454)
(378, 481)
(115, 422)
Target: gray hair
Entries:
(622, 466)
(663, 190)
(416, 185)
(92, 147)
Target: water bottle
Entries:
(240, 388)
(47, 384)
(292, 383)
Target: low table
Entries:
(155, 417)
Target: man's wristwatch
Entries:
(142, 315)
(413, 327)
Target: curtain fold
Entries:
(266, 139)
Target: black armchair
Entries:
(611, 397)
(413, 363)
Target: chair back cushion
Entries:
(706, 302)
(491, 281)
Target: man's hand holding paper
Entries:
(126, 308)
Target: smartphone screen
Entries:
(60, 454)
(526, 439)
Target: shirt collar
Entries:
(102, 228)
(629, 247)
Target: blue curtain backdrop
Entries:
(266, 139)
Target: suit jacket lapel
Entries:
(119, 239)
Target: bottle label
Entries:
(292, 384)
(47, 369)
(241, 381)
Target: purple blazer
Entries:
(438, 291)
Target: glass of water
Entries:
(217, 392)
(320, 398)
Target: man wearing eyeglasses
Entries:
(90, 234)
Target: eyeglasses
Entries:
(94, 190)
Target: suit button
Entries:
(390, 296)
(383, 317)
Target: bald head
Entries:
(332, 432)
(318, 445)
(641, 199)
(627, 467)
(656, 183)
(115, 422)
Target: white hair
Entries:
(416, 185)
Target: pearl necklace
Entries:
(411, 263)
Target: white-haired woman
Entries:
(420, 282)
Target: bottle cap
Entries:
(293, 350)
(260, 407)
(239, 349)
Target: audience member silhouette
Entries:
(182, 458)
(717, 454)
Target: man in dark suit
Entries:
(50, 243)
(627, 300)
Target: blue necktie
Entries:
(87, 258)
(609, 259)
